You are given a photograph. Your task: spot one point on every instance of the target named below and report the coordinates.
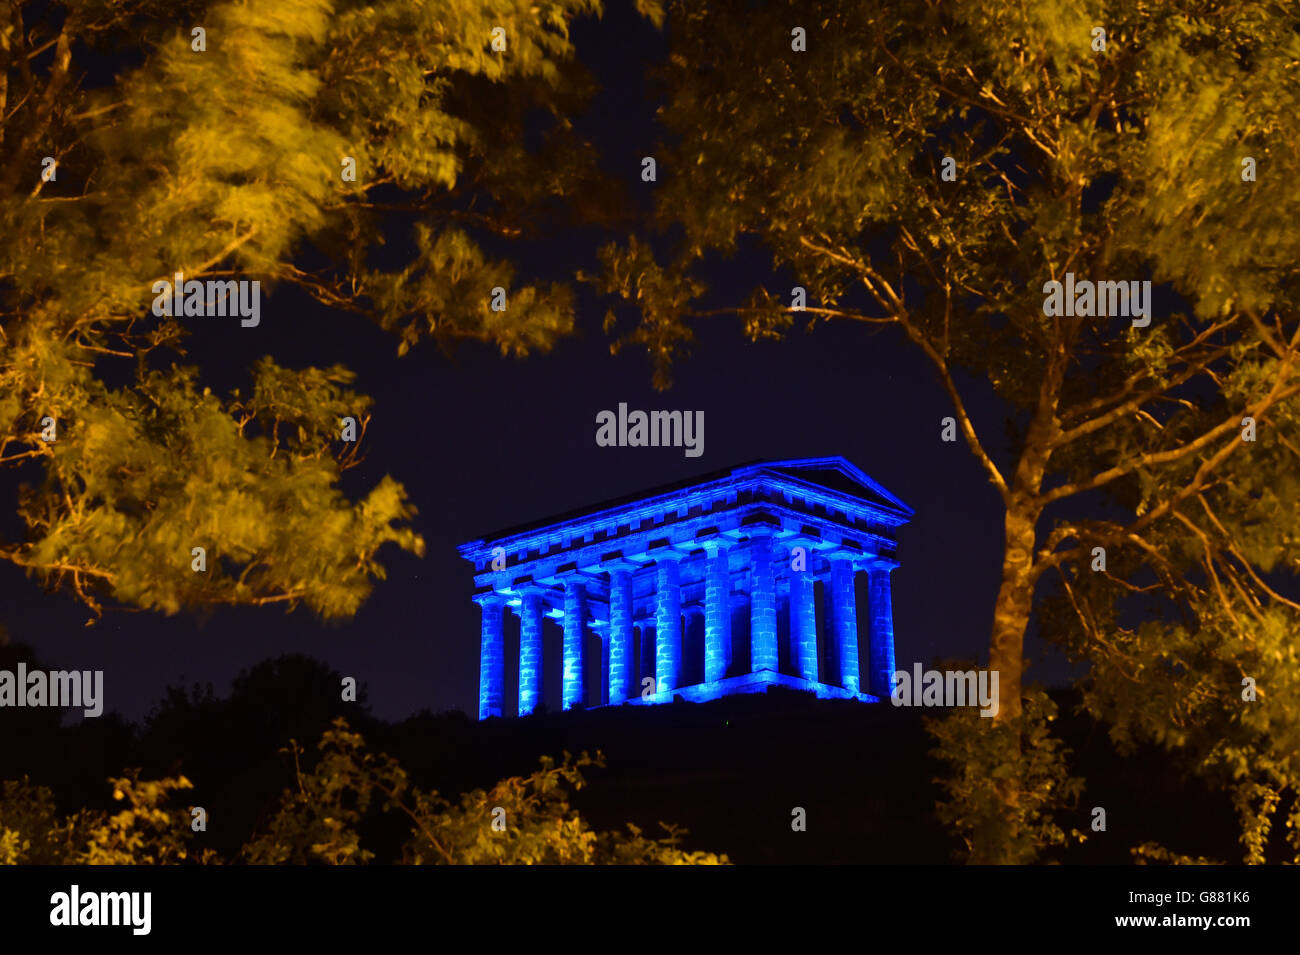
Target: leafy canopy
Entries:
(521, 820)
(231, 162)
(1122, 163)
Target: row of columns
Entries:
(668, 636)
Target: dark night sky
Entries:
(483, 443)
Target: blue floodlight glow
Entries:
(736, 546)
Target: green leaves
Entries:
(653, 10)
(30, 831)
(145, 831)
(660, 295)
(228, 162)
(1186, 689)
(1022, 757)
(519, 821)
(1116, 165)
(447, 294)
(142, 476)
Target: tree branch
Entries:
(889, 299)
(1173, 454)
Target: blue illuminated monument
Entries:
(739, 580)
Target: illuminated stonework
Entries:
(731, 583)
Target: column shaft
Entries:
(668, 626)
(717, 616)
(845, 618)
(762, 607)
(881, 609)
(491, 659)
(620, 636)
(530, 653)
(803, 624)
(575, 644)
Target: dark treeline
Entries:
(730, 772)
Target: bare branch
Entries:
(885, 295)
(1173, 454)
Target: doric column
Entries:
(575, 645)
(621, 665)
(844, 615)
(717, 613)
(491, 656)
(881, 610)
(803, 616)
(668, 625)
(762, 606)
(530, 651)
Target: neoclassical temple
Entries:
(773, 573)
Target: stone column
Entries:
(803, 616)
(762, 606)
(575, 646)
(491, 656)
(844, 615)
(621, 665)
(717, 613)
(530, 651)
(881, 610)
(668, 625)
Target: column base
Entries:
(750, 683)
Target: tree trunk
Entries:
(1011, 612)
(1016, 593)
(1019, 575)
(1006, 658)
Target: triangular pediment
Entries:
(836, 474)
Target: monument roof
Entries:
(836, 474)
